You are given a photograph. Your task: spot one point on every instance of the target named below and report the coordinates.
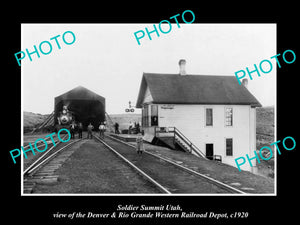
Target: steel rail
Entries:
(33, 166)
(162, 188)
(43, 155)
(212, 180)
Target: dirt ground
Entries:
(90, 170)
(245, 181)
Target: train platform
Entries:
(125, 137)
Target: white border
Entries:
(66, 194)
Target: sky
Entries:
(106, 59)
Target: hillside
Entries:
(265, 128)
(265, 120)
(32, 119)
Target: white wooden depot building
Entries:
(211, 116)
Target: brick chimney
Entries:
(182, 63)
(245, 82)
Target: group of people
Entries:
(134, 128)
(102, 128)
(78, 128)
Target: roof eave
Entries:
(208, 103)
(142, 90)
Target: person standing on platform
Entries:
(139, 144)
(80, 128)
(90, 130)
(130, 127)
(138, 127)
(102, 129)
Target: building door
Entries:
(210, 151)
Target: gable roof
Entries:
(195, 89)
(79, 93)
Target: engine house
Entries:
(79, 105)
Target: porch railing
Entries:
(179, 138)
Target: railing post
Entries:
(188, 143)
(174, 140)
(174, 132)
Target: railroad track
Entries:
(31, 159)
(147, 177)
(167, 176)
(162, 174)
(43, 168)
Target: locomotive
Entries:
(65, 118)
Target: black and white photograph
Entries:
(165, 117)
(145, 116)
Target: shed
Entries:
(87, 106)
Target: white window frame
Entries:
(206, 115)
(225, 116)
(225, 147)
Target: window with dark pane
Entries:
(209, 117)
(229, 151)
